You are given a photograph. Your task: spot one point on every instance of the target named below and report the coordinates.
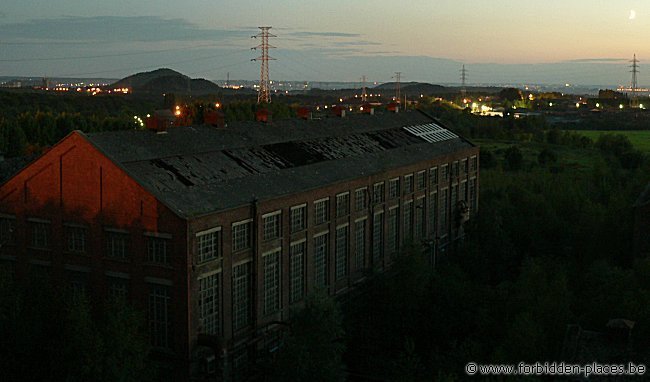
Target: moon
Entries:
(632, 14)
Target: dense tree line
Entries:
(547, 249)
(50, 333)
(30, 122)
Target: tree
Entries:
(546, 157)
(513, 158)
(15, 141)
(510, 94)
(48, 334)
(313, 349)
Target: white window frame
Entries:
(248, 243)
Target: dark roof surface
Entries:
(199, 170)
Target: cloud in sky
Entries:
(114, 29)
(117, 46)
(324, 34)
(597, 60)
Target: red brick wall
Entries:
(75, 183)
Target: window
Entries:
(7, 229)
(342, 204)
(321, 253)
(444, 169)
(463, 190)
(393, 188)
(378, 193)
(421, 181)
(408, 184)
(377, 239)
(76, 238)
(393, 228)
(40, 234)
(321, 211)
(297, 271)
(241, 295)
(117, 245)
(271, 263)
(209, 297)
(341, 252)
(418, 225)
(241, 235)
(298, 218)
(159, 323)
(454, 198)
(408, 220)
(78, 284)
(454, 169)
(433, 176)
(157, 250)
(360, 244)
(208, 245)
(118, 288)
(473, 163)
(463, 166)
(433, 209)
(360, 201)
(271, 225)
(473, 205)
(443, 212)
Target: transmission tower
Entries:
(463, 81)
(634, 71)
(264, 93)
(364, 94)
(398, 76)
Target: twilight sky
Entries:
(501, 41)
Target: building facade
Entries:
(217, 234)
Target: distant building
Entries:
(216, 233)
(610, 94)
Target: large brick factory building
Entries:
(216, 233)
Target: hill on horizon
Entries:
(416, 88)
(166, 80)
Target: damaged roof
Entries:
(200, 170)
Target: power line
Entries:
(463, 79)
(634, 71)
(398, 76)
(264, 94)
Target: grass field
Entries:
(580, 159)
(639, 138)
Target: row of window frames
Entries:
(271, 300)
(271, 225)
(320, 244)
(208, 244)
(209, 286)
(241, 298)
(117, 244)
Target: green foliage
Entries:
(514, 159)
(313, 349)
(546, 157)
(547, 249)
(46, 334)
(488, 159)
(510, 94)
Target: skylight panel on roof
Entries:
(431, 132)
